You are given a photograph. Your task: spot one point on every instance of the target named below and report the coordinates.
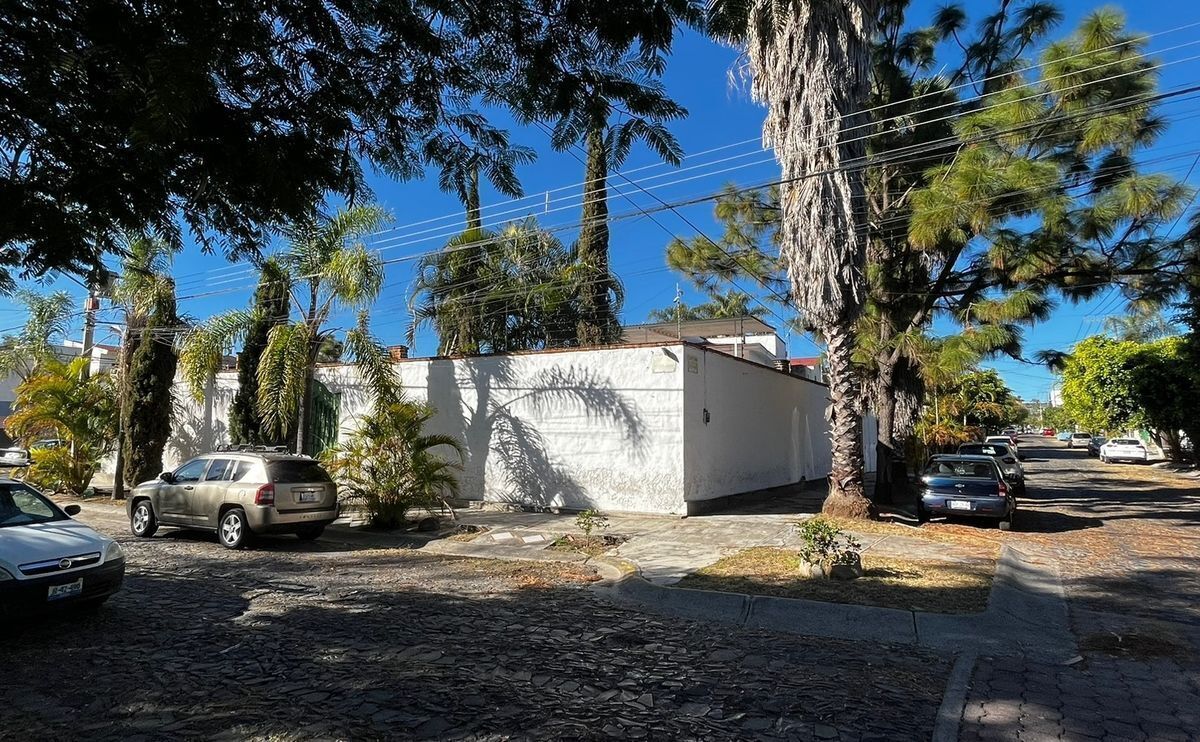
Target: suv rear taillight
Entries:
(1003, 489)
(265, 495)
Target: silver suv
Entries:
(238, 494)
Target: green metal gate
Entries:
(322, 419)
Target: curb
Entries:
(1026, 614)
(949, 715)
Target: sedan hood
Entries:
(54, 540)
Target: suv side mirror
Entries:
(167, 477)
(72, 510)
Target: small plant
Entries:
(825, 546)
(591, 520)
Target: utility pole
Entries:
(118, 491)
(678, 301)
(90, 305)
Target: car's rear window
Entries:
(983, 449)
(1125, 442)
(1081, 435)
(957, 468)
(296, 471)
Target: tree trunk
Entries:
(846, 497)
(885, 446)
(595, 306)
(302, 411)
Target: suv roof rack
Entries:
(248, 448)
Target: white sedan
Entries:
(48, 560)
(1123, 449)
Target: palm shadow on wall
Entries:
(492, 424)
(192, 435)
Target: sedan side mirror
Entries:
(72, 510)
(167, 477)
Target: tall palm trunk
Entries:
(595, 325)
(811, 63)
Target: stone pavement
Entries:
(1122, 536)
(321, 640)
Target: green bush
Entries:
(825, 543)
(388, 466)
(591, 520)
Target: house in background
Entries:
(809, 368)
(748, 338)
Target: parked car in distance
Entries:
(48, 560)
(1093, 447)
(15, 457)
(238, 494)
(1124, 449)
(1004, 455)
(1064, 436)
(974, 486)
(1079, 440)
(1005, 440)
(1048, 432)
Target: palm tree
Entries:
(328, 269)
(389, 466)
(58, 400)
(605, 99)
(48, 318)
(721, 305)
(810, 63)
(148, 360)
(519, 290)
(1139, 327)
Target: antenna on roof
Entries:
(678, 311)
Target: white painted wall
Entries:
(618, 429)
(578, 429)
(765, 428)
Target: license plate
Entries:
(308, 496)
(69, 590)
(959, 504)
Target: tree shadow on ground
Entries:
(374, 655)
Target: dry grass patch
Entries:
(907, 584)
(945, 533)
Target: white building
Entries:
(742, 337)
(660, 427)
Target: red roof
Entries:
(816, 361)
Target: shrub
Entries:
(56, 401)
(826, 544)
(591, 520)
(388, 466)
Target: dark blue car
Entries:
(969, 486)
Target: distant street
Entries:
(1127, 542)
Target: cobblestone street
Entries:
(1125, 540)
(303, 640)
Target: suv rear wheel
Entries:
(233, 531)
(142, 522)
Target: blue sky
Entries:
(721, 137)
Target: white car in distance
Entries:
(1124, 449)
(1004, 440)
